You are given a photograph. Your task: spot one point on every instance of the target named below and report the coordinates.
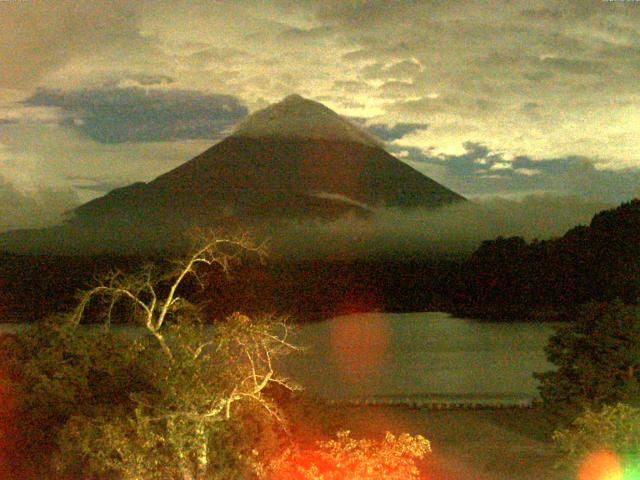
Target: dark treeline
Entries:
(318, 289)
(508, 278)
(32, 287)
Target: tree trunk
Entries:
(202, 457)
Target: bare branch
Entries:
(107, 291)
(198, 351)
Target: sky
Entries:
(506, 98)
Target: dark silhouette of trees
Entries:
(597, 359)
(510, 279)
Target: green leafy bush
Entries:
(597, 358)
(608, 439)
(55, 371)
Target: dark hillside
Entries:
(511, 279)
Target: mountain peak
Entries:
(299, 117)
(294, 98)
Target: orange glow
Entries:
(346, 458)
(6, 431)
(601, 465)
(359, 344)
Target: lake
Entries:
(429, 355)
(413, 357)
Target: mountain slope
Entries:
(295, 159)
(297, 117)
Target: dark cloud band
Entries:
(120, 115)
(479, 171)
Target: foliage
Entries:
(55, 371)
(164, 404)
(614, 430)
(598, 360)
(171, 398)
(392, 458)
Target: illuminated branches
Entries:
(141, 290)
(193, 382)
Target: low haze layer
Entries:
(451, 230)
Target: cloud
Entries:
(399, 130)
(16, 114)
(134, 114)
(397, 88)
(543, 80)
(405, 68)
(314, 34)
(125, 79)
(480, 172)
(40, 36)
(514, 76)
(501, 166)
(212, 58)
(350, 86)
(49, 155)
(361, 54)
(36, 208)
(452, 230)
(95, 185)
(577, 66)
(455, 229)
(527, 171)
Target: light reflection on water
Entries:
(425, 353)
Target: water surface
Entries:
(420, 355)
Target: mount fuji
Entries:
(293, 159)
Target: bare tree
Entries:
(201, 372)
(141, 289)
